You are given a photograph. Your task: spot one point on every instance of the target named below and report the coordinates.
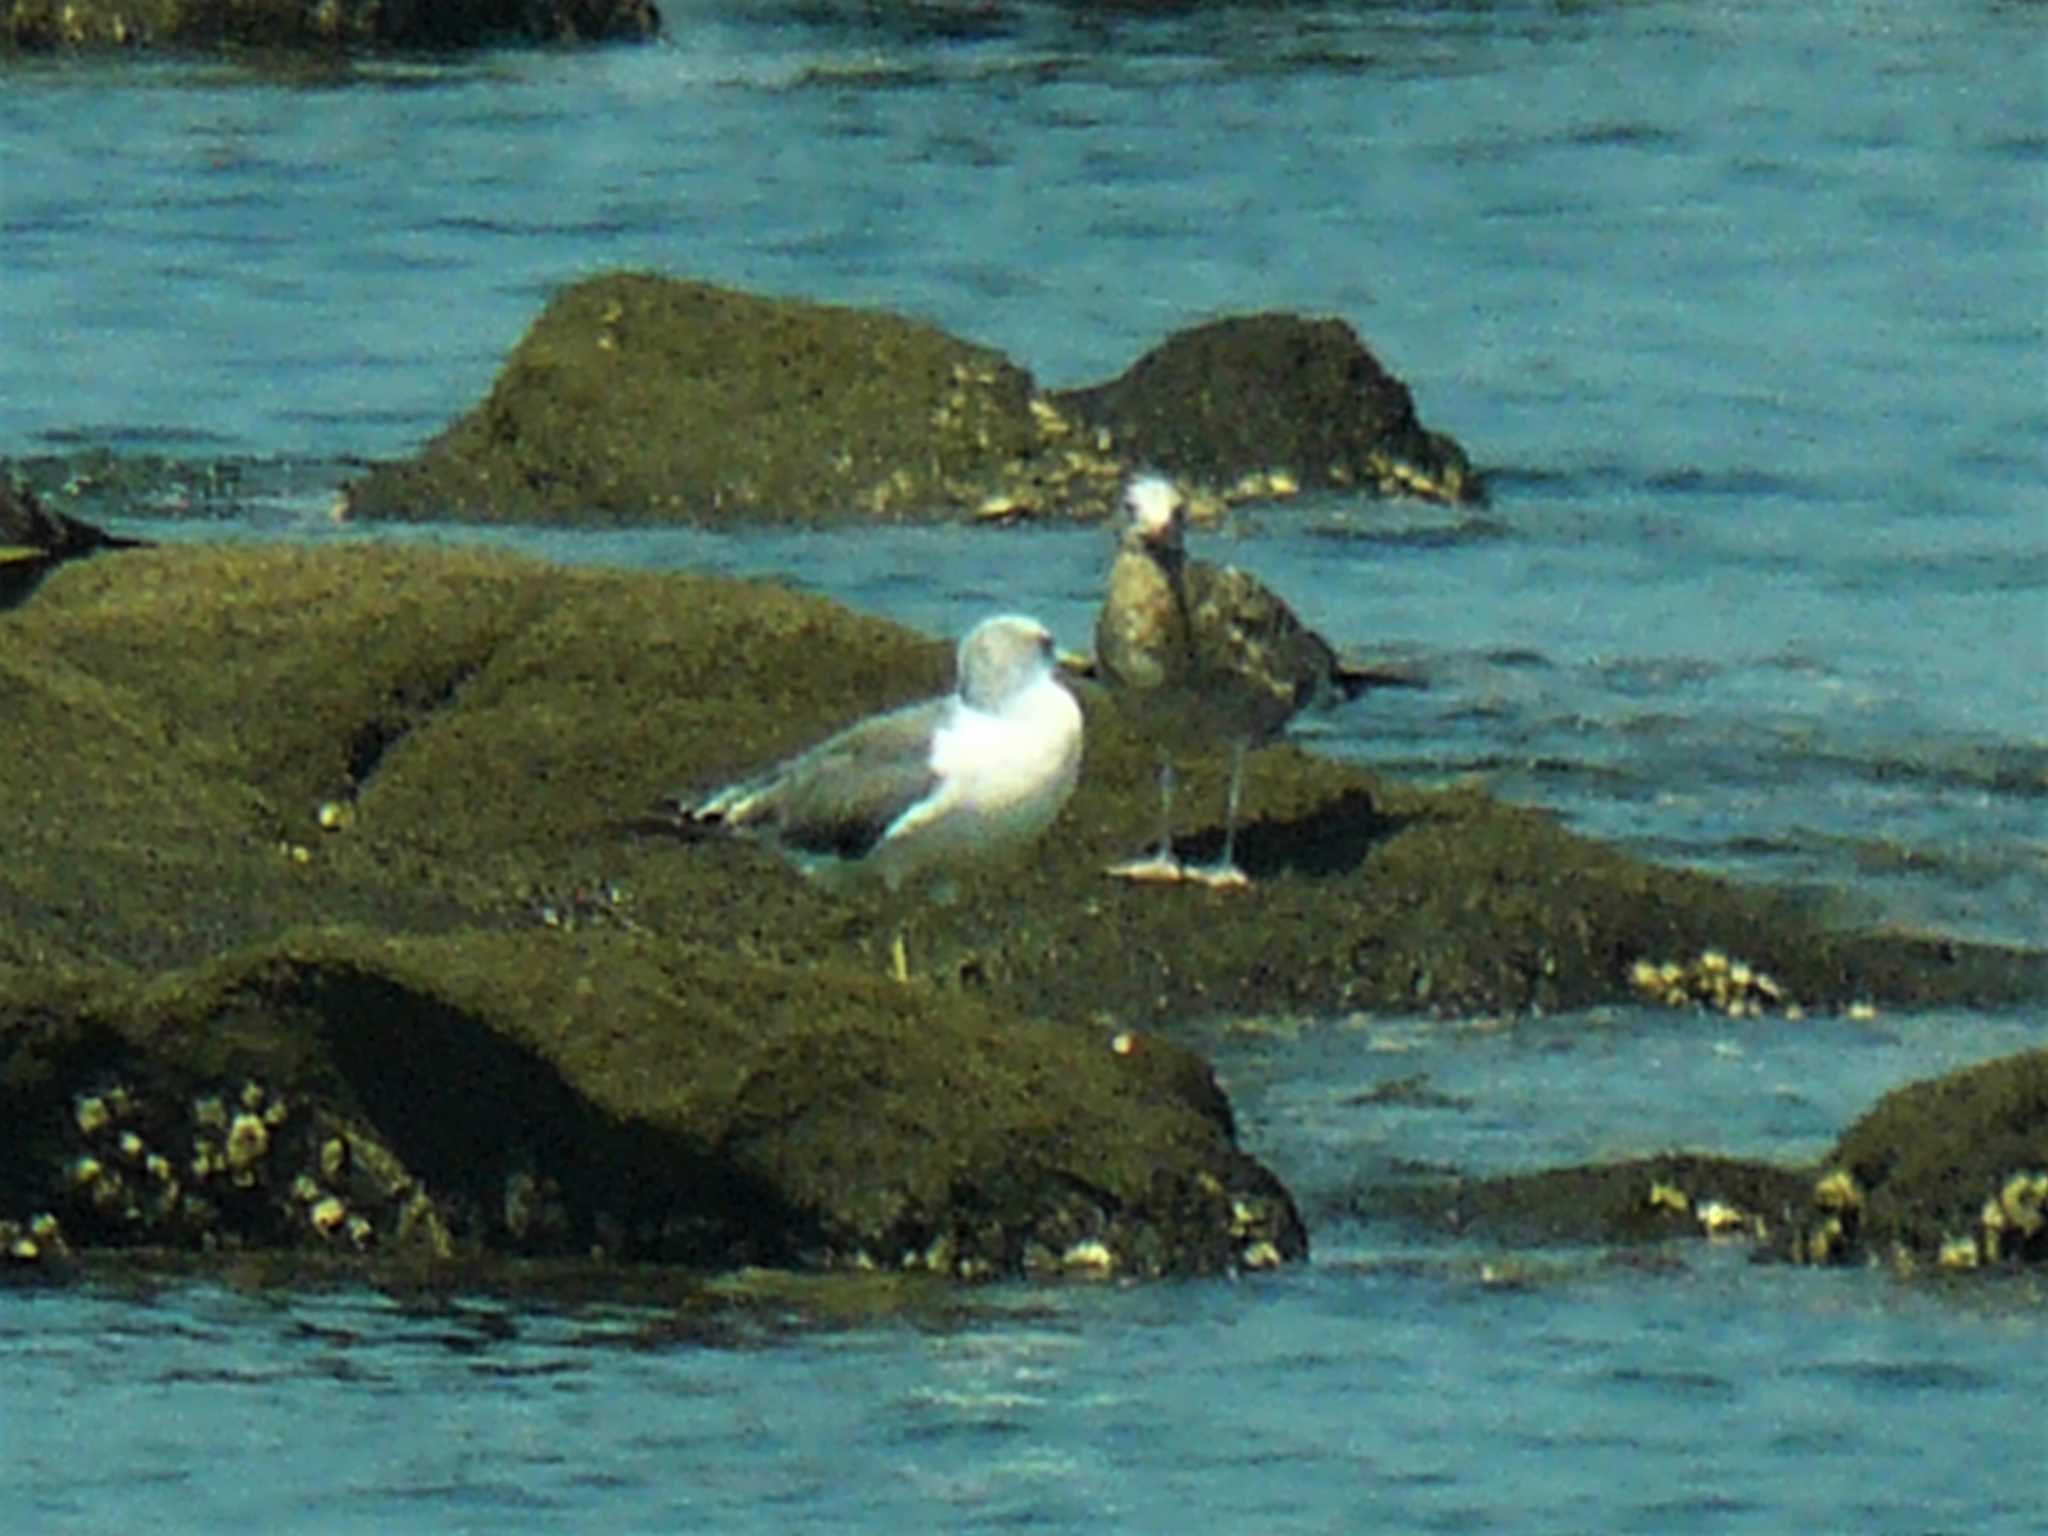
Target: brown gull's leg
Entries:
(1225, 874)
(1159, 865)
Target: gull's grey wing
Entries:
(839, 797)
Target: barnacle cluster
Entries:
(1716, 1217)
(1073, 469)
(1711, 980)
(354, 1189)
(32, 1241)
(1262, 485)
(1838, 1199)
(589, 904)
(2010, 1225)
(1398, 475)
(127, 1174)
(228, 1165)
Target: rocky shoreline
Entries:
(336, 925)
(340, 930)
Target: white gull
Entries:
(972, 773)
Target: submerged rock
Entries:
(639, 398)
(1947, 1174)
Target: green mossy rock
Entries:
(1257, 393)
(569, 1093)
(640, 398)
(1948, 1174)
(1949, 1169)
(369, 827)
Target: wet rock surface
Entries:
(1230, 403)
(1949, 1174)
(72, 25)
(611, 1095)
(640, 398)
(359, 844)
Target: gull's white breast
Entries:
(1003, 774)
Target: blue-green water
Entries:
(1744, 307)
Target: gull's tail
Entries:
(1355, 678)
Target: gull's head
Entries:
(1001, 657)
(1154, 510)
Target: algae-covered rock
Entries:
(1256, 394)
(638, 398)
(414, 786)
(414, 738)
(642, 398)
(43, 25)
(1949, 1174)
(1637, 1200)
(573, 1093)
(1952, 1171)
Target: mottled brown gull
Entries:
(976, 772)
(1204, 656)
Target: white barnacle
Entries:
(1091, 1256)
(1260, 1255)
(248, 1144)
(1717, 1218)
(333, 1157)
(2024, 1202)
(1837, 1190)
(91, 1113)
(1668, 1197)
(1958, 1253)
(327, 1215)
